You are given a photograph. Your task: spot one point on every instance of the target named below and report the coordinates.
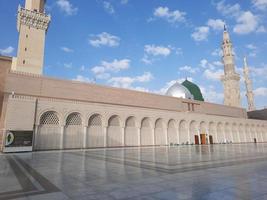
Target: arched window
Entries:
(74, 119)
(49, 118)
(95, 120)
(130, 122)
(159, 123)
(114, 121)
(145, 122)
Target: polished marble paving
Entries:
(230, 171)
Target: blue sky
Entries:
(148, 45)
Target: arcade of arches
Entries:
(77, 131)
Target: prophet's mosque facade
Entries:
(64, 114)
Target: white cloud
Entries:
(201, 33)
(251, 46)
(211, 95)
(104, 39)
(66, 49)
(189, 69)
(66, 7)
(260, 4)
(261, 91)
(124, 2)
(108, 7)
(102, 71)
(227, 9)
(216, 24)
(157, 50)
(127, 82)
(7, 50)
(68, 65)
(168, 84)
(214, 75)
(217, 52)
(247, 22)
(259, 71)
(261, 29)
(82, 78)
(170, 16)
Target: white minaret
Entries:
(249, 88)
(32, 24)
(230, 78)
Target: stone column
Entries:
(199, 138)
(84, 142)
(122, 136)
(208, 135)
(139, 134)
(105, 132)
(35, 137)
(62, 128)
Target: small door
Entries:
(211, 139)
(255, 140)
(196, 139)
(203, 138)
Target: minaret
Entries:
(32, 24)
(248, 83)
(230, 78)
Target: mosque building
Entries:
(43, 113)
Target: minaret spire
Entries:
(32, 25)
(249, 88)
(230, 78)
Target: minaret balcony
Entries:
(33, 19)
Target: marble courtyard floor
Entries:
(232, 171)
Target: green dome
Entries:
(194, 90)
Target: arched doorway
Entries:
(131, 132)
(235, 134)
(114, 132)
(95, 132)
(49, 132)
(146, 135)
(172, 132)
(220, 133)
(203, 133)
(228, 133)
(194, 137)
(183, 133)
(212, 133)
(73, 135)
(242, 133)
(160, 133)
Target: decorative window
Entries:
(114, 121)
(130, 122)
(95, 120)
(49, 118)
(158, 123)
(145, 122)
(74, 119)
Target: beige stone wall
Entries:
(71, 90)
(164, 127)
(5, 65)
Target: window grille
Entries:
(74, 119)
(49, 118)
(95, 120)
